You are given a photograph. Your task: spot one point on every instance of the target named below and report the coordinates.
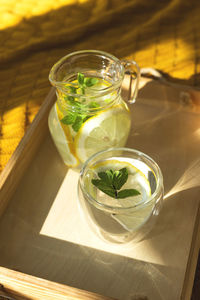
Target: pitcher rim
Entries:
(100, 92)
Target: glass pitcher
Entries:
(90, 114)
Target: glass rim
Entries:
(156, 169)
(99, 92)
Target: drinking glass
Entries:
(126, 219)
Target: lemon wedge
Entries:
(109, 128)
(62, 137)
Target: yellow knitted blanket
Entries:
(34, 34)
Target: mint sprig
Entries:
(84, 82)
(78, 115)
(111, 182)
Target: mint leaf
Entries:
(83, 90)
(93, 104)
(78, 110)
(90, 81)
(80, 78)
(102, 186)
(77, 123)
(69, 98)
(111, 181)
(75, 105)
(103, 176)
(73, 89)
(119, 178)
(69, 119)
(72, 101)
(86, 118)
(127, 193)
(107, 177)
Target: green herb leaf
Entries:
(93, 104)
(119, 178)
(77, 124)
(106, 177)
(69, 98)
(80, 78)
(109, 175)
(90, 81)
(86, 118)
(102, 186)
(69, 119)
(73, 89)
(75, 104)
(83, 90)
(127, 193)
(110, 183)
(103, 176)
(78, 114)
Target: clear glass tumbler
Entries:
(90, 114)
(114, 217)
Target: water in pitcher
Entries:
(89, 114)
(84, 123)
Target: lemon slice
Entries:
(62, 138)
(109, 128)
(129, 219)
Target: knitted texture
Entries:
(34, 34)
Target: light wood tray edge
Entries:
(23, 286)
(19, 285)
(24, 152)
(192, 261)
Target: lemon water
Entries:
(94, 131)
(120, 218)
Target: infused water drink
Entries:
(84, 124)
(90, 114)
(120, 219)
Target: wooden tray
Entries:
(47, 251)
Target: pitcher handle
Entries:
(132, 69)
